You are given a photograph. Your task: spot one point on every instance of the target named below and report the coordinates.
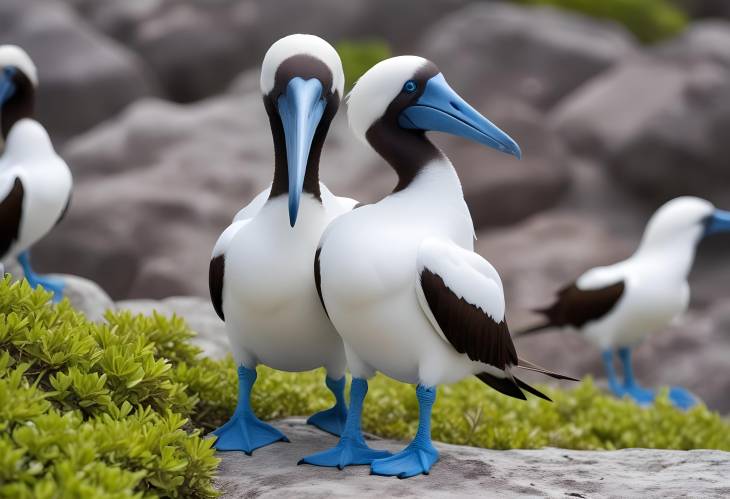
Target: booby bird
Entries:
(261, 280)
(619, 305)
(35, 183)
(399, 278)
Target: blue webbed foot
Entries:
(55, 286)
(246, 433)
(682, 398)
(412, 461)
(348, 452)
(642, 396)
(332, 420)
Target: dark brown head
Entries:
(302, 82)
(18, 81)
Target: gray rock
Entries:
(196, 47)
(84, 77)
(702, 40)
(197, 312)
(86, 296)
(496, 51)
(658, 122)
(467, 471)
(499, 189)
(706, 8)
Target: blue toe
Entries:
(246, 433)
(348, 452)
(331, 420)
(682, 398)
(412, 461)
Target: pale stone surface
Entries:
(467, 471)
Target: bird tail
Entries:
(511, 386)
(529, 366)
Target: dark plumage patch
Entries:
(467, 327)
(305, 67)
(575, 307)
(318, 279)
(407, 151)
(507, 386)
(20, 105)
(215, 283)
(11, 210)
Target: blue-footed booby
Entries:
(35, 183)
(261, 280)
(617, 306)
(399, 278)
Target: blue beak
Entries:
(440, 109)
(7, 87)
(718, 222)
(301, 107)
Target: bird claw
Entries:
(348, 452)
(412, 461)
(246, 433)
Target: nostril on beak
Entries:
(455, 105)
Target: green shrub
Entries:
(118, 409)
(649, 20)
(96, 410)
(359, 56)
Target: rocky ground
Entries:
(470, 472)
(155, 106)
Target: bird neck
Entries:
(19, 106)
(674, 257)
(408, 152)
(280, 184)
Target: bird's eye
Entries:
(410, 87)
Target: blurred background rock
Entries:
(618, 105)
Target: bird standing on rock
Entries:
(261, 280)
(618, 306)
(399, 278)
(35, 183)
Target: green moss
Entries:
(118, 409)
(649, 20)
(359, 56)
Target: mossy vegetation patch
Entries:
(120, 409)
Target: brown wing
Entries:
(467, 327)
(11, 209)
(575, 307)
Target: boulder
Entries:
(156, 187)
(706, 40)
(658, 122)
(496, 51)
(498, 188)
(196, 47)
(197, 312)
(471, 472)
(84, 77)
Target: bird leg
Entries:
(641, 395)
(351, 449)
(420, 455)
(333, 419)
(244, 431)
